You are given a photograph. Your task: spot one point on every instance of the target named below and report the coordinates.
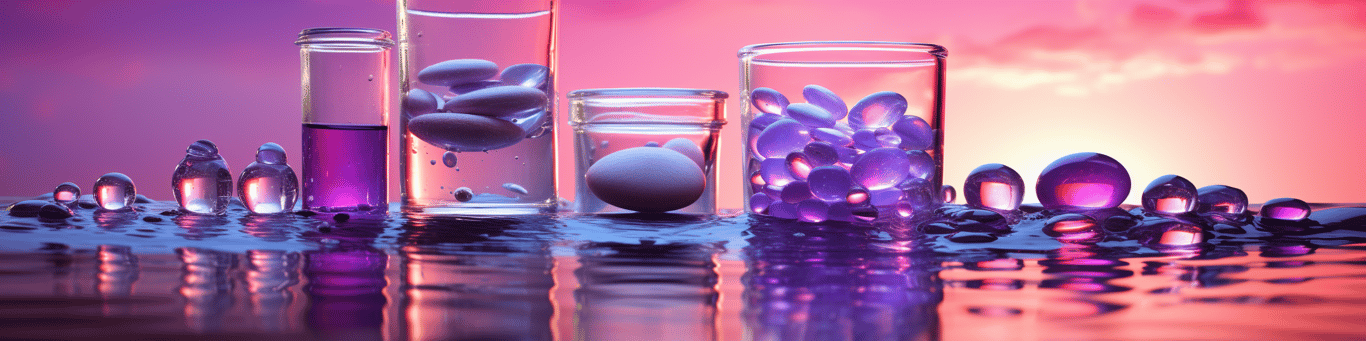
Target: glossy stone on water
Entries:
(457, 71)
(780, 138)
(915, 133)
(758, 203)
(269, 185)
(810, 115)
(829, 182)
(768, 100)
(877, 110)
(528, 75)
(1222, 200)
(114, 191)
(880, 168)
(66, 193)
(1290, 209)
(1069, 223)
(994, 186)
(1169, 194)
(826, 99)
(201, 182)
(1083, 181)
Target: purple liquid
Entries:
(344, 167)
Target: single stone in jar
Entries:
(457, 71)
(462, 132)
(646, 179)
(497, 101)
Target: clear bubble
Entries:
(448, 159)
(1286, 209)
(201, 182)
(66, 193)
(812, 210)
(1221, 200)
(768, 100)
(464, 194)
(515, 188)
(1083, 181)
(881, 168)
(271, 153)
(115, 191)
(1169, 194)
(949, 193)
(830, 182)
(994, 186)
(877, 110)
(269, 185)
(758, 203)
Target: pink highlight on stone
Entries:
(1180, 238)
(1085, 194)
(998, 195)
(1172, 205)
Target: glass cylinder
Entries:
(346, 101)
(639, 132)
(478, 87)
(847, 131)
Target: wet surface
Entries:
(155, 273)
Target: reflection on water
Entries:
(157, 274)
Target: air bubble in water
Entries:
(66, 193)
(115, 191)
(1286, 209)
(448, 159)
(1083, 181)
(1169, 194)
(1221, 200)
(268, 186)
(201, 182)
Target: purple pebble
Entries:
(768, 100)
(877, 110)
(782, 210)
(830, 182)
(795, 192)
(775, 172)
(833, 136)
(915, 133)
(810, 115)
(420, 102)
(826, 99)
(781, 138)
(758, 203)
(528, 75)
(812, 210)
(922, 165)
(881, 168)
(464, 88)
(457, 71)
(821, 154)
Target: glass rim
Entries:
(345, 36)
(648, 93)
(753, 51)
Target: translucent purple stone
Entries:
(881, 168)
(886, 138)
(821, 154)
(781, 138)
(865, 139)
(66, 193)
(830, 182)
(1083, 181)
(528, 75)
(774, 172)
(768, 100)
(857, 196)
(764, 120)
(922, 164)
(1286, 209)
(877, 110)
(1222, 200)
(949, 194)
(848, 155)
(758, 203)
(420, 102)
(915, 133)
(810, 115)
(840, 211)
(994, 186)
(798, 165)
(796, 192)
(1070, 224)
(1169, 194)
(885, 197)
(826, 99)
(813, 210)
(782, 210)
(833, 136)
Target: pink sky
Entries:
(1262, 95)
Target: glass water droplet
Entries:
(1169, 194)
(201, 182)
(768, 100)
(114, 191)
(949, 193)
(994, 186)
(1221, 200)
(269, 185)
(448, 159)
(66, 193)
(1290, 209)
(1083, 181)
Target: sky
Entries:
(1260, 95)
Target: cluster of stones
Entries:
(475, 112)
(823, 160)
